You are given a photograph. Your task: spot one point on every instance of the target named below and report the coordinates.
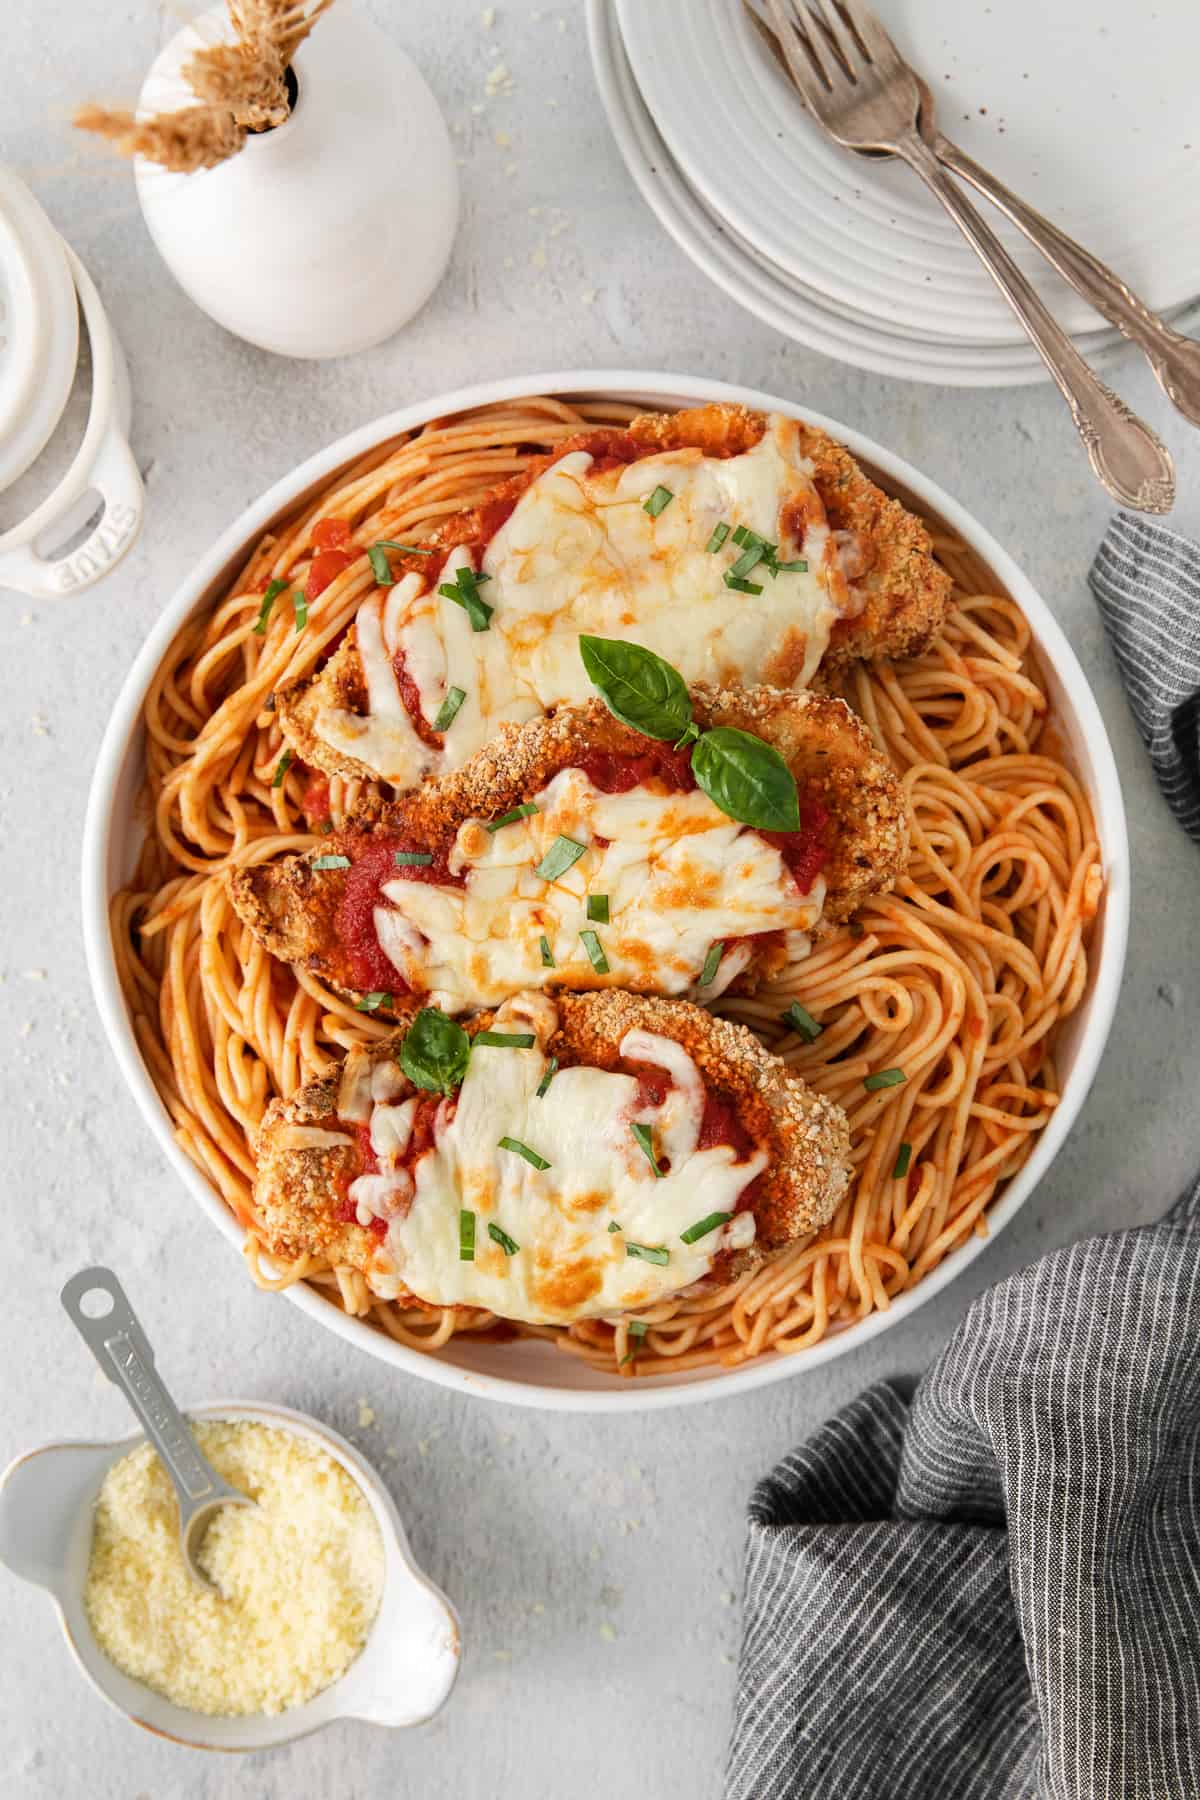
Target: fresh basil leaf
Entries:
(435, 1052)
(638, 687)
(747, 779)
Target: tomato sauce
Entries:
(421, 1139)
(346, 1213)
(331, 534)
(492, 515)
(608, 448)
(614, 772)
(325, 567)
(806, 851)
(373, 863)
(720, 1123)
(410, 694)
(366, 1150)
(315, 803)
(654, 1084)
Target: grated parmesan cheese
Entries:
(300, 1575)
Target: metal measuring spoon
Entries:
(112, 1333)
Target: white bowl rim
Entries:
(286, 1727)
(650, 388)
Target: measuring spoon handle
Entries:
(116, 1339)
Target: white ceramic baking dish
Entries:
(531, 1372)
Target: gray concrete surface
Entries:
(595, 1562)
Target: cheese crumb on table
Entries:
(300, 1575)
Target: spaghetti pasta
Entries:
(957, 980)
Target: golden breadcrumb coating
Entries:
(898, 593)
(300, 1192)
(292, 906)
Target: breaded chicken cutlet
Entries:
(560, 1159)
(573, 851)
(744, 549)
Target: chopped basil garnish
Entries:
(281, 769)
(373, 1002)
(658, 502)
(506, 1040)
(435, 1052)
(562, 855)
(595, 950)
(712, 963)
(274, 589)
(465, 591)
(747, 779)
(510, 818)
(720, 533)
(903, 1158)
(331, 862)
(547, 953)
(413, 859)
(381, 568)
(613, 1226)
(300, 609)
(547, 1078)
(638, 687)
(802, 1023)
(408, 549)
(886, 1078)
(702, 1227)
(756, 550)
(466, 1236)
(597, 908)
(644, 1139)
(448, 711)
(647, 1252)
(519, 1149)
(509, 1245)
(741, 586)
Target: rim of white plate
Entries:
(764, 290)
(119, 756)
(866, 233)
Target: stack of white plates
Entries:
(1088, 108)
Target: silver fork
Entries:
(1174, 358)
(858, 88)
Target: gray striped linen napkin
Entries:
(991, 1591)
(1147, 581)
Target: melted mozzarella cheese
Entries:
(678, 875)
(580, 553)
(568, 1264)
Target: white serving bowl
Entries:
(532, 1372)
(403, 1675)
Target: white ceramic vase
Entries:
(327, 234)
